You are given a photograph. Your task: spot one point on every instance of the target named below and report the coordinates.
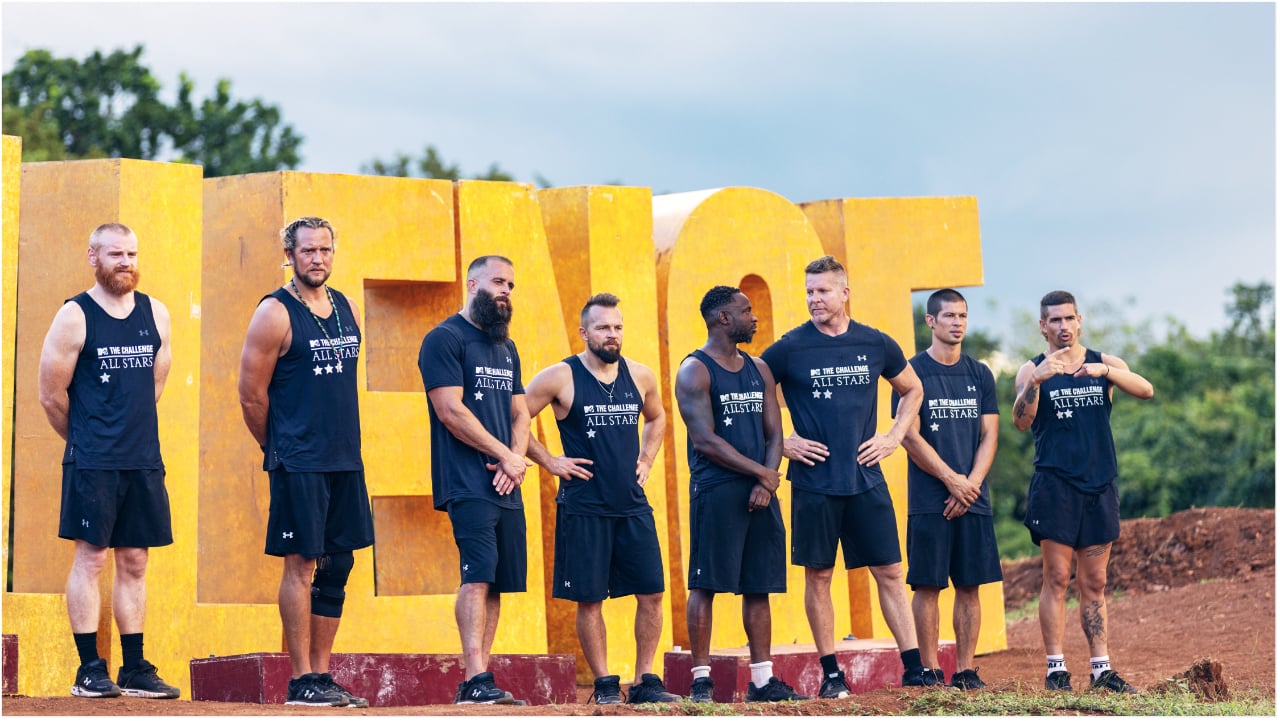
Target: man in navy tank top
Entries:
(606, 543)
(479, 432)
(102, 369)
(950, 530)
(827, 369)
(737, 541)
(1073, 512)
(298, 395)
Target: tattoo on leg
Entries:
(1095, 551)
(1095, 628)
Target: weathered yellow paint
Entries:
(210, 250)
(61, 204)
(891, 247)
(12, 182)
(600, 238)
(722, 237)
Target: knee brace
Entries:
(329, 583)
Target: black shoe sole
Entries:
(139, 693)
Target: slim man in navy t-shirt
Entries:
(1073, 511)
(479, 432)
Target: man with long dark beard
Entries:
(606, 540)
(102, 369)
(479, 431)
(299, 399)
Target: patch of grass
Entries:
(1032, 608)
(1011, 703)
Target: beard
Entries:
(492, 316)
(608, 355)
(306, 279)
(117, 282)
(742, 334)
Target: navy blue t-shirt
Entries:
(606, 431)
(1072, 429)
(956, 397)
(313, 420)
(829, 383)
(456, 353)
(112, 422)
(737, 407)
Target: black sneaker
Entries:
(93, 681)
(833, 686)
(650, 690)
(700, 692)
(309, 690)
(457, 696)
(1058, 681)
(608, 691)
(924, 677)
(967, 680)
(353, 700)
(1111, 681)
(481, 689)
(775, 690)
(143, 682)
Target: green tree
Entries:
(431, 165)
(109, 106)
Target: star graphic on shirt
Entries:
(319, 370)
(973, 389)
(817, 394)
(1059, 415)
(862, 357)
(934, 427)
(106, 378)
(826, 394)
(338, 366)
(479, 396)
(328, 369)
(1068, 412)
(728, 421)
(591, 433)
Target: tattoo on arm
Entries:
(1095, 626)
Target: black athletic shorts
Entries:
(731, 549)
(963, 549)
(491, 544)
(1056, 510)
(599, 557)
(864, 525)
(115, 509)
(313, 514)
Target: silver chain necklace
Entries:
(607, 391)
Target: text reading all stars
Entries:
(327, 353)
(611, 414)
(831, 376)
(944, 408)
(496, 378)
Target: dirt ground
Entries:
(1199, 584)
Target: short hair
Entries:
(479, 263)
(1056, 297)
(604, 300)
(289, 235)
(825, 264)
(947, 295)
(95, 238)
(715, 299)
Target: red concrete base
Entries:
(867, 665)
(386, 679)
(9, 662)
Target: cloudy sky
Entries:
(1124, 152)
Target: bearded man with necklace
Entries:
(299, 399)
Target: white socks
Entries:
(701, 672)
(1056, 663)
(1100, 665)
(761, 673)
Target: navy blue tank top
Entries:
(607, 432)
(112, 423)
(313, 418)
(737, 406)
(1072, 429)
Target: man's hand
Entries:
(642, 471)
(1053, 364)
(963, 489)
(508, 473)
(564, 467)
(954, 508)
(876, 448)
(770, 479)
(760, 498)
(804, 450)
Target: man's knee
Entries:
(891, 573)
(131, 563)
(328, 587)
(818, 577)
